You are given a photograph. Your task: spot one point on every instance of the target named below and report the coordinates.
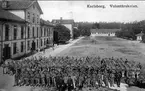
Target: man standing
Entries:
(70, 84)
(118, 78)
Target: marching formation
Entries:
(70, 72)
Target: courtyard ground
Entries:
(89, 46)
(107, 47)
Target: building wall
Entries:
(10, 41)
(19, 13)
(47, 34)
(32, 13)
(103, 34)
(139, 38)
(70, 27)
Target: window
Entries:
(47, 31)
(15, 32)
(22, 32)
(22, 46)
(41, 42)
(28, 45)
(37, 32)
(14, 48)
(28, 16)
(41, 32)
(28, 32)
(44, 31)
(33, 18)
(33, 32)
(37, 19)
(7, 29)
(37, 43)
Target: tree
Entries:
(63, 33)
(96, 25)
(76, 33)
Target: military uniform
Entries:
(118, 78)
(105, 78)
(100, 81)
(112, 77)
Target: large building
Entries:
(104, 32)
(69, 23)
(12, 42)
(27, 35)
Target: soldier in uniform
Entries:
(43, 78)
(106, 76)
(112, 77)
(70, 84)
(99, 76)
(32, 79)
(118, 76)
(37, 78)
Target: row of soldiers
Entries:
(70, 72)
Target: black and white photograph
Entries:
(72, 45)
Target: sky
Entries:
(79, 11)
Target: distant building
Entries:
(69, 23)
(139, 36)
(104, 32)
(12, 35)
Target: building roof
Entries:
(47, 23)
(63, 21)
(104, 30)
(140, 34)
(7, 16)
(20, 5)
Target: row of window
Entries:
(34, 19)
(42, 43)
(44, 32)
(15, 32)
(105, 33)
(15, 49)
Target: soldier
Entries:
(105, 78)
(32, 79)
(37, 78)
(70, 84)
(16, 77)
(99, 76)
(118, 78)
(42, 78)
(112, 77)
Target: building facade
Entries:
(12, 35)
(24, 36)
(69, 23)
(104, 32)
(46, 34)
(139, 36)
(30, 11)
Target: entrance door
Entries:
(33, 46)
(6, 52)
